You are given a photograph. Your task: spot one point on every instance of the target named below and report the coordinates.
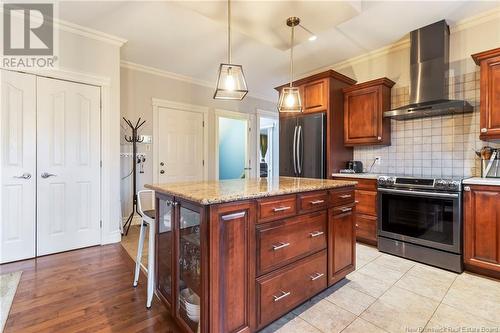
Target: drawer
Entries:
(276, 208)
(366, 202)
(313, 201)
(280, 243)
(344, 209)
(281, 291)
(363, 184)
(341, 196)
(366, 227)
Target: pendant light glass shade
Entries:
(231, 83)
(289, 100)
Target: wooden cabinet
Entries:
(341, 242)
(365, 218)
(364, 106)
(322, 92)
(248, 262)
(482, 229)
(315, 96)
(490, 93)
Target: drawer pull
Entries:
(316, 233)
(280, 297)
(345, 210)
(233, 216)
(316, 276)
(281, 209)
(317, 202)
(345, 196)
(280, 246)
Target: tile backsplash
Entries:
(440, 146)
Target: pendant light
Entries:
(289, 100)
(231, 82)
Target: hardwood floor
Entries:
(88, 290)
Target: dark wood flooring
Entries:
(88, 290)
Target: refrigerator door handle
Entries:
(295, 151)
(299, 141)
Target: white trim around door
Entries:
(161, 103)
(274, 140)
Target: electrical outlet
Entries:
(378, 160)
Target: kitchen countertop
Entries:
(213, 192)
(356, 175)
(482, 181)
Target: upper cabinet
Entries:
(490, 93)
(364, 106)
(315, 96)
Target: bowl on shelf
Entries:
(191, 303)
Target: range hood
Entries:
(429, 65)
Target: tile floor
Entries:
(391, 294)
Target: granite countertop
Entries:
(357, 175)
(213, 192)
(481, 181)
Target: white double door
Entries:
(50, 166)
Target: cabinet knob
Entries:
(467, 188)
(357, 225)
(379, 138)
(484, 130)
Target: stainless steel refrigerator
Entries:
(303, 146)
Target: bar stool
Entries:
(148, 219)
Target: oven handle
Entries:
(420, 193)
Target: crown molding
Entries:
(89, 33)
(476, 20)
(180, 77)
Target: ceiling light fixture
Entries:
(313, 37)
(289, 100)
(231, 83)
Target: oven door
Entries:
(432, 219)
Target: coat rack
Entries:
(134, 139)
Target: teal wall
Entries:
(232, 147)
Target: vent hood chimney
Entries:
(429, 66)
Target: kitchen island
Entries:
(234, 255)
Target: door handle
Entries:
(299, 142)
(47, 175)
(294, 150)
(25, 175)
(162, 172)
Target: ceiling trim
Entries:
(180, 77)
(89, 33)
(405, 42)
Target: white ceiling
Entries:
(189, 38)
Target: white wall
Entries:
(138, 88)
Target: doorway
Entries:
(232, 135)
(181, 132)
(268, 144)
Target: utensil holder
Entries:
(494, 171)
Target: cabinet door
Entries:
(164, 247)
(315, 96)
(482, 227)
(363, 116)
(232, 267)
(490, 98)
(341, 243)
(188, 286)
(366, 202)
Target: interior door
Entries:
(180, 145)
(17, 168)
(68, 165)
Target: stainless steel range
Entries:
(421, 219)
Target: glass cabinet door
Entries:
(165, 247)
(189, 268)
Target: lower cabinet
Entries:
(282, 290)
(341, 242)
(482, 229)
